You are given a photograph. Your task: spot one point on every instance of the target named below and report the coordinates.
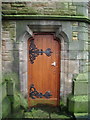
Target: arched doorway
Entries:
(64, 60)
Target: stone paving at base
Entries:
(48, 112)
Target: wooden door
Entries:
(43, 70)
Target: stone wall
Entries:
(8, 38)
(80, 81)
(8, 45)
(72, 62)
(74, 43)
(45, 8)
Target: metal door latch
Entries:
(53, 64)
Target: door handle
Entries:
(53, 64)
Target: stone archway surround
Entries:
(66, 78)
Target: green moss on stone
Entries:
(12, 77)
(6, 107)
(22, 11)
(6, 7)
(28, 115)
(3, 91)
(39, 114)
(80, 87)
(5, 24)
(12, 33)
(18, 114)
(81, 77)
(78, 104)
(81, 116)
(24, 102)
(79, 98)
(32, 11)
(47, 112)
(9, 12)
(27, 11)
(59, 12)
(18, 5)
(72, 7)
(47, 17)
(51, 16)
(58, 116)
(0, 78)
(16, 102)
(19, 101)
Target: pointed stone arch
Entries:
(23, 67)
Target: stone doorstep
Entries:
(47, 113)
(47, 116)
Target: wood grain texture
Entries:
(42, 74)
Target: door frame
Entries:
(48, 26)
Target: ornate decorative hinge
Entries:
(35, 94)
(34, 51)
